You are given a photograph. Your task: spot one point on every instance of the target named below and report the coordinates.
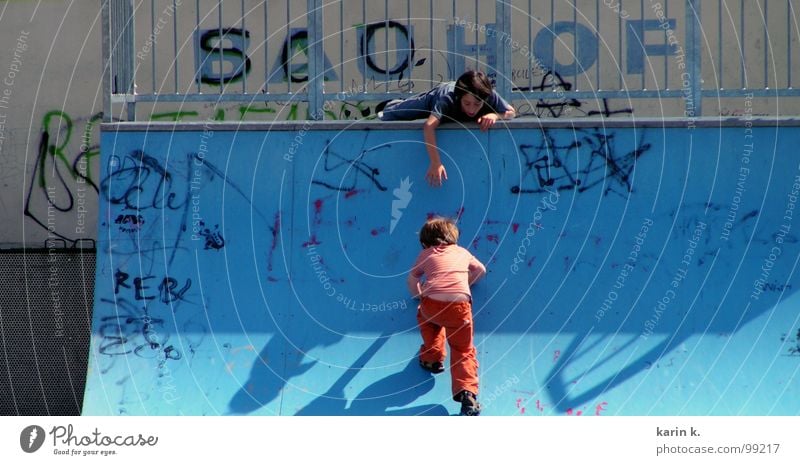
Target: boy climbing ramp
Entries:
(445, 309)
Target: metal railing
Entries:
(321, 51)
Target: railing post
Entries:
(105, 6)
(316, 64)
(504, 51)
(694, 107)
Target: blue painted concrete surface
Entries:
(632, 271)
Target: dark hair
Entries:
(475, 83)
(438, 231)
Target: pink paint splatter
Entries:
(431, 215)
(474, 244)
(318, 211)
(539, 406)
(556, 354)
(600, 407)
(515, 227)
(351, 193)
(577, 414)
(493, 238)
(312, 241)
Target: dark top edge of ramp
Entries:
(519, 123)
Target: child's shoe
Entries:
(469, 404)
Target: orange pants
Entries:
(453, 320)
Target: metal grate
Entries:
(46, 301)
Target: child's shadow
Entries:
(381, 397)
(277, 363)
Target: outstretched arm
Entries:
(436, 173)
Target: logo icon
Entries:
(31, 438)
(402, 198)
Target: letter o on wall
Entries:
(585, 51)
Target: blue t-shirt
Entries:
(441, 103)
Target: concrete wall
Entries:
(50, 68)
(631, 270)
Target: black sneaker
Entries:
(433, 367)
(469, 404)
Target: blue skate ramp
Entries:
(260, 269)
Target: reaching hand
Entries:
(436, 174)
(487, 121)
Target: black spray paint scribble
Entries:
(555, 104)
(795, 350)
(343, 173)
(583, 160)
(131, 330)
(214, 239)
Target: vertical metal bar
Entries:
(105, 23)
(789, 16)
(199, 64)
(477, 23)
(551, 65)
(244, 62)
(666, 63)
(693, 17)
(408, 52)
(175, 43)
(386, 39)
(597, 44)
(504, 55)
(644, 72)
(153, 47)
(619, 50)
(290, 49)
(341, 47)
(529, 48)
(575, 53)
(742, 45)
(767, 45)
(219, 45)
(315, 62)
(719, 45)
(267, 75)
(364, 43)
(430, 52)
